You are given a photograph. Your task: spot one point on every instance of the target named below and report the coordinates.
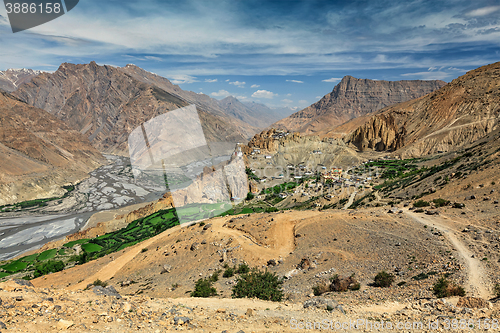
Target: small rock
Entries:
(3, 326)
(181, 320)
(64, 324)
(194, 246)
(108, 291)
(221, 310)
(249, 312)
(271, 262)
(166, 269)
(207, 226)
(203, 242)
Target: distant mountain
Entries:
(273, 114)
(463, 111)
(12, 78)
(352, 98)
(39, 153)
(106, 103)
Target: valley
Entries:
(377, 207)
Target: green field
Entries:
(3, 274)
(73, 243)
(49, 254)
(91, 248)
(30, 259)
(15, 266)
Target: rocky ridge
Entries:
(10, 79)
(352, 98)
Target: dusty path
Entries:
(477, 279)
(351, 200)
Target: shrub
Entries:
(383, 279)
(420, 203)
(256, 284)
(228, 272)
(214, 277)
(497, 290)
(356, 286)
(203, 288)
(421, 276)
(440, 202)
(321, 289)
(402, 283)
(242, 269)
(458, 205)
(250, 196)
(144, 250)
(444, 288)
(100, 283)
(50, 266)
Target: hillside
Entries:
(10, 79)
(463, 111)
(352, 98)
(39, 153)
(106, 103)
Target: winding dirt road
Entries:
(477, 279)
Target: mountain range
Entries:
(10, 79)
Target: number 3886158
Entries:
(33, 8)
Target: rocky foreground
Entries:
(24, 308)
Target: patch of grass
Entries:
(29, 259)
(421, 276)
(100, 283)
(14, 266)
(61, 252)
(4, 274)
(441, 202)
(49, 254)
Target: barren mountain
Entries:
(12, 78)
(106, 103)
(352, 98)
(39, 153)
(460, 113)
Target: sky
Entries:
(280, 53)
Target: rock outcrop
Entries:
(352, 98)
(39, 153)
(458, 114)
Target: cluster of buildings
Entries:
(334, 174)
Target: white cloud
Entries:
(303, 102)
(182, 79)
(255, 86)
(333, 79)
(295, 81)
(287, 101)
(227, 80)
(264, 94)
(319, 97)
(483, 11)
(210, 80)
(221, 93)
(238, 84)
(435, 75)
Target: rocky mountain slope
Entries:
(353, 98)
(458, 114)
(106, 103)
(39, 153)
(10, 79)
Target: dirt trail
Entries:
(284, 243)
(351, 200)
(476, 275)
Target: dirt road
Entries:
(477, 279)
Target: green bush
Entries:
(256, 284)
(383, 279)
(250, 196)
(440, 202)
(50, 266)
(444, 288)
(228, 272)
(420, 203)
(100, 283)
(242, 269)
(214, 277)
(203, 288)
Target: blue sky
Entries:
(276, 52)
